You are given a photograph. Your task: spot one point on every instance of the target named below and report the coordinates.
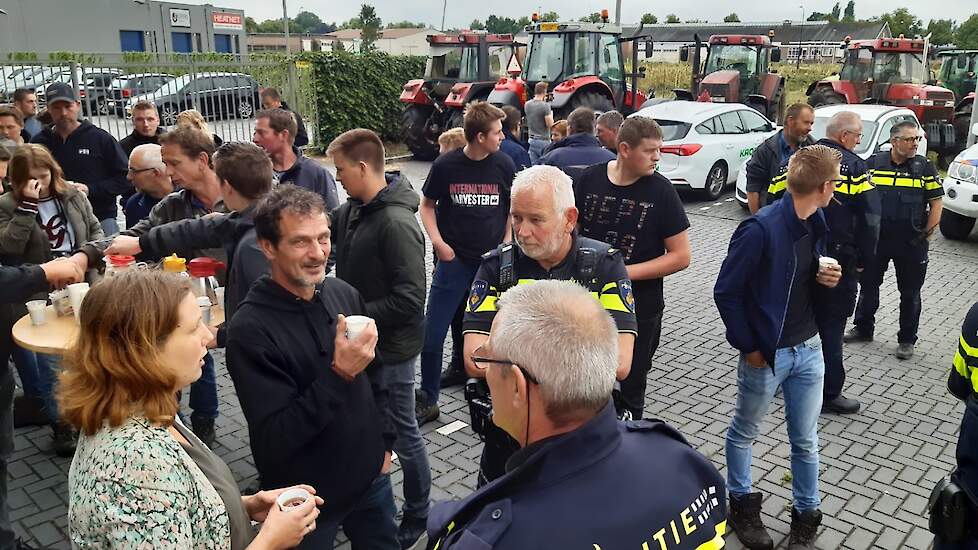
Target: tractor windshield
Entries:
(453, 63)
(958, 73)
(732, 57)
(545, 59)
(898, 67)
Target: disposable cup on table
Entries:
(38, 311)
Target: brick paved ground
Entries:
(877, 466)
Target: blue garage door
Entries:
(222, 43)
(182, 43)
(132, 41)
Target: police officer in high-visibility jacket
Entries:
(910, 191)
(581, 479)
(767, 169)
(543, 218)
(853, 218)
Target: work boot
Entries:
(412, 533)
(203, 428)
(65, 439)
(904, 351)
(745, 520)
(804, 529)
(423, 410)
(840, 405)
(856, 334)
(453, 376)
(29, 411)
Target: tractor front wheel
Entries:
(825, 96)
(416, 132)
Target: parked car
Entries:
(705, 144)
(215, 95)
(877, 121)
(93, 87)
(961, 194)
(126, 86)
(30, 78)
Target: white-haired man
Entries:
(550, 362)
(147, 172)
(543, 217)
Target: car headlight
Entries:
(963, 171)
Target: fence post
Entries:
(74, 78)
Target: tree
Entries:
(941, 31)
(502, 25)
(819, 16)
(524, 22)
(732, 18)
(271, 26)
(849, 16)
(695, 21)
(370, 29)
(903, 22)
(967, 35)
(251, 26)
(353, 23)
(405, 25)
(477, 25)
(836, 11)
(649, 19)
(305, 22)
(593, 18)
(672, 18)
(549, 16)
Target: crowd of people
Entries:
(329, 397)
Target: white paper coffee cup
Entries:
(219, 296)
(826, 262)
(355, 324)
(291, 499)
(76, 293)
(38, 311)
(205, 309)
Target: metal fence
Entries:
(222, 87)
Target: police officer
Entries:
(853, 219)
(767, 169)
(543, 217)
(910, 192)
(550, 365)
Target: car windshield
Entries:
(174, 85)
(673, 129)
(866, 138)
(732, 57)
(546, 58)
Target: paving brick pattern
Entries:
(877, 467)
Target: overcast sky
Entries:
(461, 13)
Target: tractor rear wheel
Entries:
(825, 96)
(416, 133)
(456, 119)
(599, 102)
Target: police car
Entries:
(961, 194)
(877, 121)
(704, 145)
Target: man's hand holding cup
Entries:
(829, 272)
(353, 347)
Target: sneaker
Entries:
(745, 520)
(204, 429)
(412, 533)
(29, 411)
(424, 411)
(453, 376)
(804, 529)
(856, 334)
(65, 439)
(840, 405)
(904, 351)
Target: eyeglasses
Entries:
(138, 170)
(482, 363)
(915, 139)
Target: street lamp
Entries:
(801, 29)
(444, 5)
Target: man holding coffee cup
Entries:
(770, 319)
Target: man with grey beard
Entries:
(543, 218)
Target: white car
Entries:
(704, 145)
(877, 121)
(961, 194)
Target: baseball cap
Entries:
(60, 91)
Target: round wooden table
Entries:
(58, 334)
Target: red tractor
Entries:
(461, 68)
(891, 71)
(583, 64)
(737, 70)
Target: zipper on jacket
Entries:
(794, 269)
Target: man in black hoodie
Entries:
(379, 249)
(89, 155)
(315, 401)
(271, 99)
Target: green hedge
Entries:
(360, 91)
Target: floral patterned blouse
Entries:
(134, 487)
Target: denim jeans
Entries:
(39, 376)
(203, 392)
(409, 446)
(26, 365)
(369, 526)
(450, 285)
(800, 372)
(968, 544)
(110, 226)
(536, 149)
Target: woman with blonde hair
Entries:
(193, 119)
(41, 218)
(140, 478)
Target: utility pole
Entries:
(444, 5)
(290, 64)
(801, 29)
(618, 13)
(974, 121)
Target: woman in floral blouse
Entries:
(139, 478)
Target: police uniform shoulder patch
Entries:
(480, 289)
(627, 297)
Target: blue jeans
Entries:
(800, 372)
(203, 392)
(450, 285)
(110, 226)
(536, 149)
(369, 526)
(39, 376)
(409, 446)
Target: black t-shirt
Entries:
(473, 200)
(636, 219)
(799, 321)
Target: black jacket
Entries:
(765, 164)
(854, 215)
(91, 156)
(17, 285)
(379, 249)
(306, 423)
(135, 139)
(309, 174)
(301, 137)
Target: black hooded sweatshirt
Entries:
(306, 423)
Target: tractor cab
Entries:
(958, 70)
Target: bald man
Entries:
(148, 175)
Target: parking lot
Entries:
(877, 466)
